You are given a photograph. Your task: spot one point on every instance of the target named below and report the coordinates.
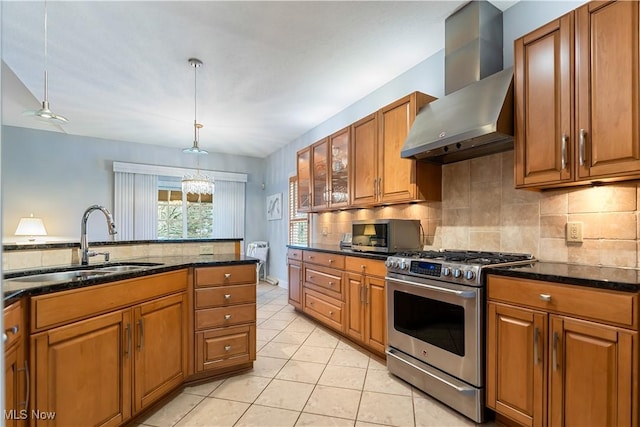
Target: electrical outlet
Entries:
(206, 250)
(574, 232)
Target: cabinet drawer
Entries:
(294, 254)
(325, 259)
(13, 325)
(225, 295)
(327, 281)
(227, 275)
(370, 267)
(323, 308)
(613, 307)
(225, 316)
(225, 347)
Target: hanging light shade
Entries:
(45, 112)
(196, 183)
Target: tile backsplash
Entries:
(481, 210)
(34, 258)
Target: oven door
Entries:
(437, 323)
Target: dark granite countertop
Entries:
(13, 290)
(617, 279)
(335, 249)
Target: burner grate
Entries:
(469, 257)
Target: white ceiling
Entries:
(272, 70)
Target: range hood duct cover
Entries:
(475, 119)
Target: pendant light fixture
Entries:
(196, 183)
(45, 113)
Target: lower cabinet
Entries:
(345, 293)
(104, 369)
(16, 368)
(366, 318)
(225, 317)
(295, 277)
(570, 371)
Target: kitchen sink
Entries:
(88, 272)
(61, 276)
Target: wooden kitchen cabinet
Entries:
(102, 353)
(161, 351)
(16, 367)
(323, 291)
(574, 351)
(379, 174)
(303, 170)
(330, 172)
(403, 180)
(294, 266)
(225, 318)
(366, 303)
(578, 99)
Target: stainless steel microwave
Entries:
(385, 235)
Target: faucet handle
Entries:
(106, 255)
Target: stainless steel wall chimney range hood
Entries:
(475, 118)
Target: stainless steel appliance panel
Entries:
(438, 325)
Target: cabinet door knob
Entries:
(227, 275)
(227, 348)
(227, 316)
(545, 297)
(227, 296)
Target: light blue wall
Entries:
(57, 176)
(427, 77)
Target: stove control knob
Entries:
(446, 271)
(457, 273)
(469, 275)
(404, 265)
(388, 263)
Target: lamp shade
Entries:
(369, 230)
(31, 227)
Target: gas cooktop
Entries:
(456, 266)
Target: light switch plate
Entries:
(574, 232)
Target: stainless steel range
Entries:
(435, 323)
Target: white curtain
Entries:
(135, 206)
(228, 209)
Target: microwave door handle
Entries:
(461, 294)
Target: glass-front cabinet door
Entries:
(304, 179)
(320, 177)
(339, 172)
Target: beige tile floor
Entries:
(304, 375)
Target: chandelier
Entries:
(196, 183)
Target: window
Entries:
(183, 216)
(298, 222)
(149, 204)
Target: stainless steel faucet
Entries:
(84, 246)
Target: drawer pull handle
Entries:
(13, 330)
(227, 275)
(310, 277)
(227, 316)
(331, 284)
(310, 302)
(227, 296)
(362, 267)
(545, 297)
(330, 313)
(227, 348)
(536, 352)
(330, 260)
(555, 351)
(310, 257)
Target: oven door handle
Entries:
(393, 352)
(461, 294)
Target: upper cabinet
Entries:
(402, 180)
(304, 179)
(577, 98)
(330, 172)
(360, 166)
